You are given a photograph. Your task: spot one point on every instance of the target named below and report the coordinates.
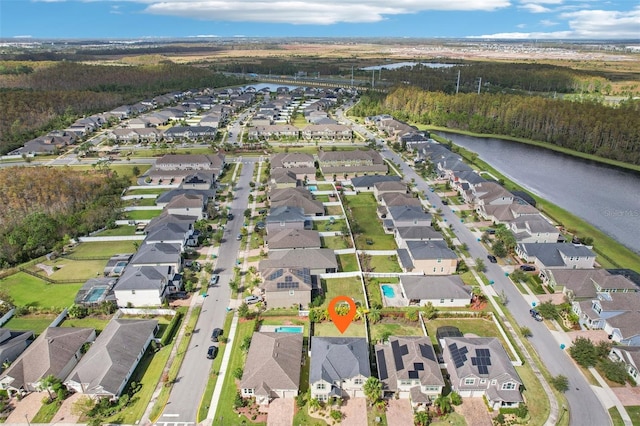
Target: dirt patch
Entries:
(46, 268)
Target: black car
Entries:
(445, 202)
(492, 259)
(535, 315)
(527, 268)
(217, 332)
(212, 352)
(230, 216)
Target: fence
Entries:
(143, 311)
(6, 317)
(59, 318)
(112, 238)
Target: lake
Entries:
(604, 196)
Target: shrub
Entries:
(560, 382)
(456, 399)
(237, 373)
(171, 329)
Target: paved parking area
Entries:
(280, 412)
(355, 412)
(399, 412)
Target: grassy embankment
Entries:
(610, 253)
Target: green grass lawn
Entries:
(327, 226)
(146, 191)
(454, 419)
(634, 413)
(347, 262)
(616, 418)
(103, 248)
(335, 243)
(97, 322)
(325, 187)
(141, 214)
(46, 413)
(385, 264)
(374, 293)
(79, 270)
(27, 290)
(478, 326)
(229, 389)
(328, 329)
(396, 327)
(324, 199)
(363, 211)
(146, 202)
(36, 323)
(539, 408)
(342, 287)
(119, 231)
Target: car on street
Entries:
(212, 352)
(239, 237)
(527, 268)
(251, 299)
(535, 315)
(214, 279)
(492, 259)
(215, 334)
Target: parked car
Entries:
(214, 279)
(215, 334)
(492, 259)
(535, 315)
(491, 231)
(212, 352)
(179, 295)
(230, 216)
(260, 225)
(251, 299)
(527, 268)
(445, 202)
(239, 237)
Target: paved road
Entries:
(584, 406)
(186, 394)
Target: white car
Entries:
(251, 299)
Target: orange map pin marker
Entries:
(342, 322)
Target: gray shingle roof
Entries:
(434, 249)
(285, 214)
(145, 278)
(408, 213)
(628, 323)
(105, 367)
(408, 233)
(337, 358)
(420, 287)
(307, 258)
(159, 253)
(549, 253)
(399, 199)
(294, 238)
(369, 180)
(273, 361)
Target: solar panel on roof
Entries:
(459, 355)
(382, 365)
(397, 351)
(418, 366)
(427, 352)
(413, 374)
(482, 369)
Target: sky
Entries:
(504, 19)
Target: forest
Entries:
(44, 98)
(44, 206)
(589, 127)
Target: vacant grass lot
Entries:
(328, 329)
(342, 287)
(347, 262)
(141, 214)
(385, 264)
(103, 248)
(394, 327)
(27, 290)
(77, 270)
(146, 191)
(363, 211)
(118, 231)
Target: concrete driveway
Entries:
(27, 406)
(399, 412)
(280, 412)
(64, 414)
(474, 411)
(355, 412)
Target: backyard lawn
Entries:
(96, 322)
(146, 191)
(394, 327)
(327, 226)
(141, 214)
(478, 326)
(103, 249)
(371, 235)
(35, 323)
(27, 290)
(336, 243)
(77, 270)
(333, 210)
(347, 262)
(385, 264)
(328, 329)
(118, 231)
(137, 202)
(342, 287)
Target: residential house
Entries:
(273, 131)
(431, 257)
(505, 213)
(480, 367)
(285, 217)
(167, 197)
(13, 343)
(187, 205)
(556, 255)
(108, 365)
(200, 162)
(300, 164)
(390, 187)
(349, 164)
(294, 198)
(168, 228)
(55, 352)
(273, 365)
(141, 286)
(489, 193)
(283, 178)
(366, 183)
(534, 229)
(285, 287)
(408, 368)
(595, 313)
(403, 216)
(159, 254)
(319, 261)
(327, 132)
(630, 356)
(291, 239)
(624, 328)
(415, 233)
(199, 181)
(440, 291)
(339, 367)
(391, 199)
(191, 133)
(583, 284)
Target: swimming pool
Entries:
(312, 188)
(289, 329)
(388, 291)
(117, 269)
(95, 294)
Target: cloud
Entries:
(548, 23)
(535, 8)
(310, 12)
(539, 35)
(521, 26)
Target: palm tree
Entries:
(314, 404)
(443, 404)
(421, 418)
(372, 389)
(374, 314)
(48, 383)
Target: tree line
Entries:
(44, 206)
(51, 97)
(589, 127)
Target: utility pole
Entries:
(458, 83)
(352, 75)
(479, 84)
(373, 79)
(380, 74)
